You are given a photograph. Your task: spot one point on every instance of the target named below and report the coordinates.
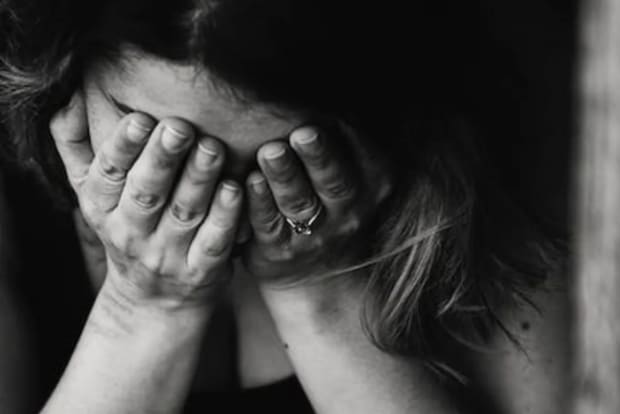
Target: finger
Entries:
(267, 222)
(192, 195)
(149, 181)
(215, 238)
(115, 157)
(289, 185)
(332, 181)
(69, 128)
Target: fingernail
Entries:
(258, 185)
(137, 131)
(305, 136)
(274, 155)
(173, 139)
(229, 192)
(207, 153)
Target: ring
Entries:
(304, 227)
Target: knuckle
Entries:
(222, 222)
(98, 192)
(287, 175)
(153, 261)
(92, 198)
(142, 197)
(266, 218)
(94, 209)
(216, 246)
(320, 158)
(338, 189)
(163, 161)
(185, 216)
(298, 204)
(271, 232)
(145, 200)
(122, 241)
(202, 177)
(77, 177)
(272, 225)
(119, 241)
(108, 168)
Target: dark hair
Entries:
(392, 73)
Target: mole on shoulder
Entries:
(285, 345)
(525, 326)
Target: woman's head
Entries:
(248, 71)
(365, 65)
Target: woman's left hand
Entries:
(308, 207)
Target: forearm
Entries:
(340, 369)
(130, 359)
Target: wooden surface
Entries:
(597, 287)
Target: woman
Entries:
(171, 103)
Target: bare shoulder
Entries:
(533, 375)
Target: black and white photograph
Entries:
(309, 206)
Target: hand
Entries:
(303, 182)
(167, 243)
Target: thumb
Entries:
(69, 128)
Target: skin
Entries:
(162, 90)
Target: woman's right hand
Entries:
(167, 240)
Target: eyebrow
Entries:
(126, 109)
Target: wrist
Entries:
(129, 351)
(321, 305)
(161, 293)
(120, 311)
